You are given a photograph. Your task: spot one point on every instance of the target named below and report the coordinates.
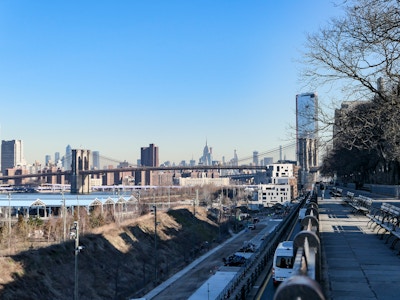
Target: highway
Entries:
(267, 289)
(204, 278)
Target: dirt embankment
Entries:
(117, 262)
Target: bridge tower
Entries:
(80, 183)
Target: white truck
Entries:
(282, 267)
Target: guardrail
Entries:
(304, 284)
(241, 285)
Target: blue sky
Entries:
(114, 76)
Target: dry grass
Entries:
(118, 261)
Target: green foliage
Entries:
(96, 220)
(35, 222)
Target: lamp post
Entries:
(64, 212)
(74, 234)
(155, 243)
(9, 222)
(169, 197)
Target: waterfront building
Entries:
(307, 137)
(12, 155)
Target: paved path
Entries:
(358, 265)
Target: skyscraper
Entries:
(255, 158)
(307, 136)
(56, 157)
(149, 156)
(96, 159)
(67, 162)
(47, 159)
(12, 154)
(206, 158)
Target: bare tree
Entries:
(359, 55)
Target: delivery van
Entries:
(282, 267)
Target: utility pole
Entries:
(155, 243)
(9, 222)
(169, 197)
(64, 212)
(196, 200)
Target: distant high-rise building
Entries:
(307, 136)
(67, 162)
(96, 159)
(255, 158)
(12, 154)
(206, 158)
(56, 157)
(235, 159)
(149, 156)
(47, 159)
(268, 161)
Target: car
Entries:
(251, 226)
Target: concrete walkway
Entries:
(356, 263)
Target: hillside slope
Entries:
(117, 262)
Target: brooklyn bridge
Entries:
(80, 175)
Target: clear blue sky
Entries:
(114, 76)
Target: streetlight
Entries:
(9, 222)
(64, 212)
(74, 234)
(155, 243)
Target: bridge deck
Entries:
(356, 263)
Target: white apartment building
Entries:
(282, 187)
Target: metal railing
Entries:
(240, 286)
(304, 284)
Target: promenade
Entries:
(356, 263)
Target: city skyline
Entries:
(287, 152)
(113, 77)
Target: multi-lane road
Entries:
(194, 281)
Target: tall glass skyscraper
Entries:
(307, 137)
(67, 162)
(96, 159)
